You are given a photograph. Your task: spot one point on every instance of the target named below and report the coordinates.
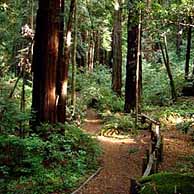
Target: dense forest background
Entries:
(59, 60)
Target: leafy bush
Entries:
(167, 183)
(36, 165)
(133, 150)
(95, 91)
(179, 115)
(185, 164)
(11, 117)
(184, 126)
(118, 122)
(156, 88)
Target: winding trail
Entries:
(121, 160)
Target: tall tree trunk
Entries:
(73, 94)
(138, 72)
(178, 39)
(45, 62)
(32, 15)
(188, 49)
(63, 66)
(117, 49)
(60, 67)
(167, 65)
(91, 51)
(97, 48)
(91, 44)
(148, 2)
(131, 66)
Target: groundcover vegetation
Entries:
(167, 183)
(57, 162)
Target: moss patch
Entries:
(167, 183)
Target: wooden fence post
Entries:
(134, 189)
(160, 151)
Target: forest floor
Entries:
(122, 158)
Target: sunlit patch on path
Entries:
(116, 140)
(121, 159)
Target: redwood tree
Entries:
(62, 77)
(45, 61)
(74, 64)
(60, 67)
(117, 48)
(132, 51)
(188, 51)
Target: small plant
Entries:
(13, 120)
(96, 92)
(33, 164)
(185, 164)
(167, 183)
(184, 126)
(120, 123)
(133, 150)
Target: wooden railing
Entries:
(154, 155)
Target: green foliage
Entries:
(12, 119)
(36, 165)
(161, 18)
(167, 183)
(185, 165)
(156, 88)
(133, 150)
(95, 90)
(120, 123)
(13, 14)
(179, 113)
(53, 159)
(184, 126)
(183, 108)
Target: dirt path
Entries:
(177, 147)
(121, 160)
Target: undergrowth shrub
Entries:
(49, 159)
(156, 88)
(11, 118)
(185, 164)
(36, 165)
(95, 91)
(119, 123)
(167, 183)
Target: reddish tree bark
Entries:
(60, 67)
(91, 47)
(97, 47)
(131, 66)
(63, 65)
(188, 52)
(45, 62)
(130, 85)
(117, 49)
